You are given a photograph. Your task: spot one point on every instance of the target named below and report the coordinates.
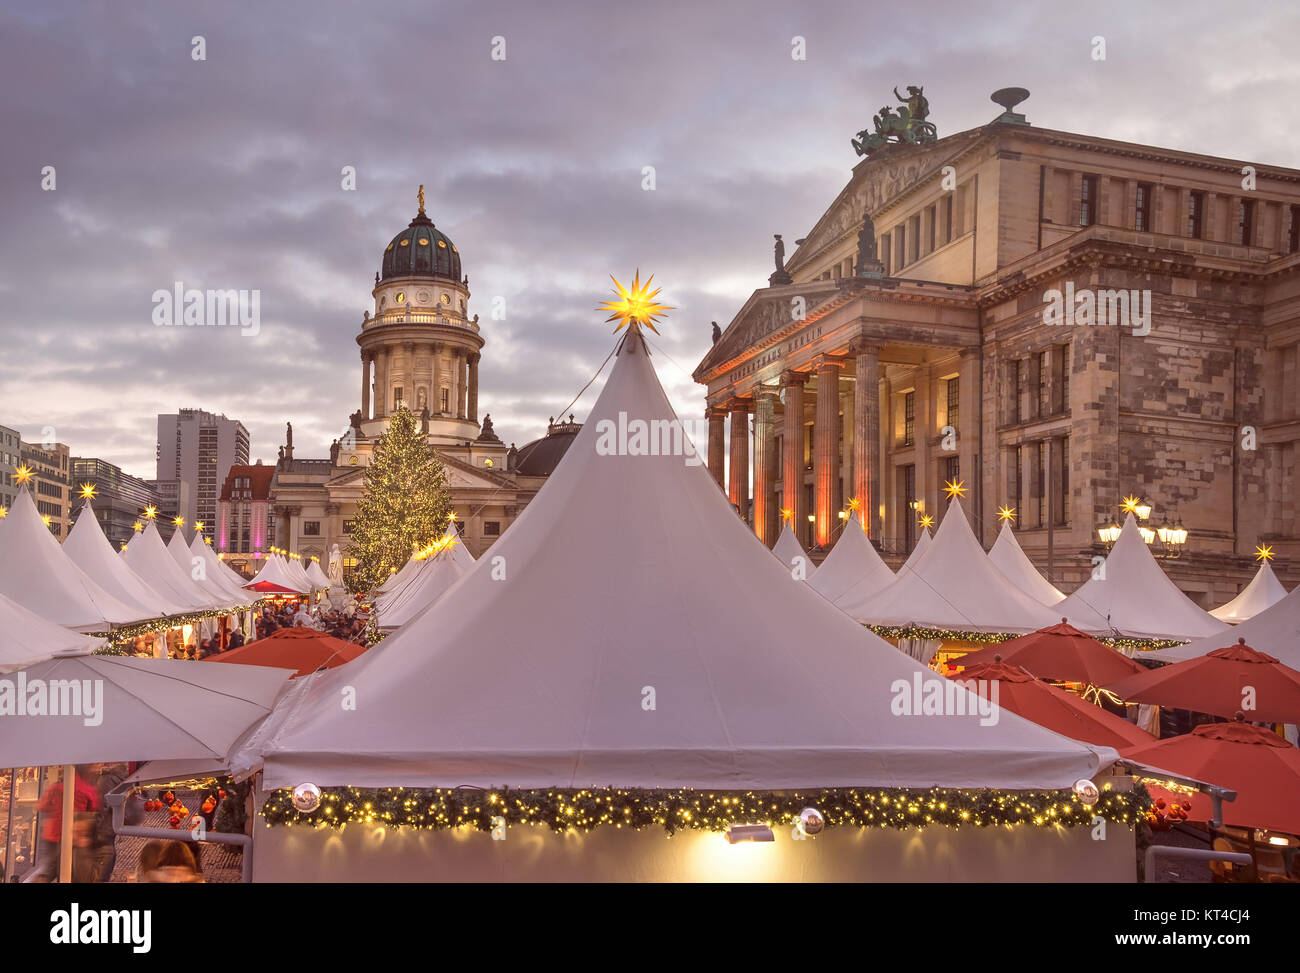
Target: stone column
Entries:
(969, 430)
(381, 383)
(926, 488)
(792, 461)
(408, 374)
(866, 435)
(365, 385)
(473, 386)
(766, 521)
(738, 481)
(718, 445)
(435, 406)
(825, 449)
(462, 389)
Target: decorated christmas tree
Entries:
(405, 504)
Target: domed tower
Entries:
(419, 348)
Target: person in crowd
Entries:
(85, 798)
(236, 640)
(168, 861)
(110, 776)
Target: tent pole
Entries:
(65, 839)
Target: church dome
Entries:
(421, 250)
(542, 456)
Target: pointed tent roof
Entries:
(1275, 630)
(398, 578)
(629, 575)
(852, 564)
(26, 638)
(150, 559)
(459, 551)
(436, 575)
(90, 550)
(36, 574)
(1264, 591)
(230, 579)
(787, 548)
(952, 586)
(316, 576)
(293, 567)
(1009, 558)
(274, 577)
(918, 552)
(211, 583)
(1134, 597)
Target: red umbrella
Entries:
(1222, 682)
(1054, 708)
(1059, 652)
(270, 587)
(1260, 766)
(303, 649)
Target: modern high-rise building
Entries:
(198, 449)
(120, 498)
(10, 446)
(50, 484)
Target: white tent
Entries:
(641, 636)
(953, 585)
(293, 568)
(788, 549)
(26, 638)
(1009, 558)
(150, 559)
(399, 577)
(918, 552)
(317, 577)
(436, 574)
(852, 564)
(275, 573)
(1130, 595)
(1263, 592)
(195, 566)
(90, 550)
(230, 579)
(36, 574)
(459, 551)
(1275, 630)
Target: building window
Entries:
(311, 528)
(951, 469)
(909, 512)
(445, 404)
(491, 528)
(1063, 376)
(934, 215)
(1293, 238)
(1142, 215)
(1195, 214)
(1063, 507)
(1017, 459)
(1017, 381)
(887, 256)
(349, 526)
(1041, 493)
(397, 398)
(900, 235)
(909, 418)
(1043, 365)
(1088, 201)
(1246, 222)
(947, 219)
(954, 402)
(916, 238)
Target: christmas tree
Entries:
(405, 504)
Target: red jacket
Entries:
(84, 798)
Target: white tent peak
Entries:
(1264, 591)
(539, 678)
(918, 552)
(1009, 557)
(158, 566)
(1275, 630)
(853, 565)
(1131, 595)
(787, 548)
(427, 585)
(88, 548)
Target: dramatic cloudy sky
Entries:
(226, 173)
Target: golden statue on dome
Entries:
(420, 196)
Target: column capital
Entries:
(715, 412)
(474, 357)
(767, 391)
(823, 362)
(791, 377)
(865, 346)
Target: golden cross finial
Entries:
(1006, 513)
(23, 474)
(635, 306)
(1264, 552)
(955, 488)
(927, 520)
(88, 491)
(420, 196)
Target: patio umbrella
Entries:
(1060, 652)
(302, 649)
(1260, 766)
(1222, 682)
(1056, 709)
(92, 708)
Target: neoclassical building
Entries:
(419, 348)
(919, 334)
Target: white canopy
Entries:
(293, 567)
(787, 548)
(26, 638)
(196, 567)
(36, 573)
(953, 585)
(400, 576)
(918, 552)
(1264, 591)
(1132, 596)
(89, 549)
(1275, 630)
(1009, 558)
(635, 633)
(436, 574)
(150, 559)
(459, 551)
(317, 577)
(230, 579)
(275, 572)
(852, 565)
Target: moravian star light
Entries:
(635, 306)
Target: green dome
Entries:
(421, 250)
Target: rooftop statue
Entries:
(906, 124)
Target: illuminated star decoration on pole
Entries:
(1130, 505)
(23, 474)
(150, 512)
(955, 488)
(1006, 513)
(87, 491)
(787, 515)
(1264, 552)
(635, 305)
(137, 526)
(178, 521)
(198, 525)
(926, 520)
(855, 505)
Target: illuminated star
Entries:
(451, 516)
(927, 520)
(955, 488)
(178, 521)
(1130, 504)
(198, 525)
(1006, 513)
(23, 474)
(46, 519)
(150, 512)
(855, 504)
(1264, 552)
(87, 491)
(787, 515)
(635, 306)
(137, 526)
(4, 512)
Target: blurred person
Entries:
(167, 862)
(84, 798)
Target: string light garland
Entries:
(119, 639)
(988, 638)
(675, 810)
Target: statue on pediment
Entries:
(906, 124)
